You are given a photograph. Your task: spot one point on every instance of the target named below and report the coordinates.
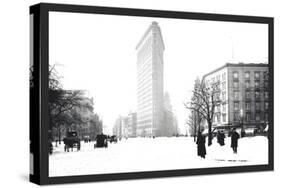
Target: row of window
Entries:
(257, 106)
(235, 75)
(248, 106)
(218, 108)
(248, 117)
(247, 75)
(218, 118)
(251, 116)
(248, 95)
(217, 78)
(257, 84)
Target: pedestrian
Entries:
(201, 149)
(234, 140)
(220, 138)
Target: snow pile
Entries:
(147, 154)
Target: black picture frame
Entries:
(39, 92)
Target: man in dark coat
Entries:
(220, 138)
(201, 149)
(234, 140)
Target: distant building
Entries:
(170, 125)
(80, 118)
(244, 95)
(150, 82)
(124, 130)
(125, 126)
(132, 124)
(117, 128)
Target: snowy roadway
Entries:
(146, 154)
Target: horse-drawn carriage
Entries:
(101, 141)
(113, 139)
(71, 141)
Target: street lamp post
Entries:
(242, 125)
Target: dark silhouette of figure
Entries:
(234, 140)
(101, 140)
(220, 138)
(201, 149)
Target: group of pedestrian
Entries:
(201, 140)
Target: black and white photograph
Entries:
(130, 93)
(139, 94)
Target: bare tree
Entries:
(204, 100)
(63, 104)
(194, 122)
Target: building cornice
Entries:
(227, 65)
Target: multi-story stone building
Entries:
(150, 82)
(80, 118)
(244, 95)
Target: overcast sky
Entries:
(97, 53)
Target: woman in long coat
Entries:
(234, 140)
(201, 149)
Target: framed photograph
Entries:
(118, 93)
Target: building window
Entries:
(223, 96)
(236, 95)
(266, 105)
(218, 117)
(247, 75)
(257, 75)
(218, 78)
(257, 84)
(257, 106)
(248, 106)
(247, 84)
(235, 85)
(266, 117)
(223, 85)
(236, 106)
(235, 75)
(217, 87)
(258, 117)
(218, 108)
(265, 75)
(236, 116)
(224, 76)
(248, 94)
(224, 107)
(265, 84)
(248, 117)
(257, 94)
(217, 96)
(224, 117)
(266, 94)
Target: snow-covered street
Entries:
(147, 154)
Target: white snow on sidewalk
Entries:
(147, 154)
